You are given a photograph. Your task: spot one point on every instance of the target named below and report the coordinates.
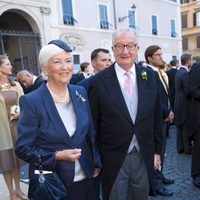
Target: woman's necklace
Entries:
(5, 86)
(58, 99)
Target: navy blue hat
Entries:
(61, 44)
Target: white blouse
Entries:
(68, 116)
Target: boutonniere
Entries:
(144, 75)
(80, 97)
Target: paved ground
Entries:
(4, 191)
(177, 166)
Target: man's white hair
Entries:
(123, 31)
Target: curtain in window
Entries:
(68, 12)
(131, 17)
(103, 17)
(154, 25)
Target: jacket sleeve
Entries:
(27, 147)
(194, 83)
(158, 122)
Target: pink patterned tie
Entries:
(128, 84)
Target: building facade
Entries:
(190, 15)
(26, 25)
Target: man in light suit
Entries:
(181, 106)
(125, 105)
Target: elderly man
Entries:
(125, 105)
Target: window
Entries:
(131, 17)
(68, 12)
(173, 28)
(184, 21)
(174, 57)
(185, 43)
(76, 63)
(198, 41)
(154, 25)
(104, 24)
(184, 1)
(196, 19)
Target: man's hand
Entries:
(96, 172)
(171, 117)
(157, 162)
(18, 77)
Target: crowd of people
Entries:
(103, 132)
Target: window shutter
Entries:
(194, 19)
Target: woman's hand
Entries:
(70, 155)
(96, 172)
(14, 116)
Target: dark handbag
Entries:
(46, 186)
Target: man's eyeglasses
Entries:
(121, 47)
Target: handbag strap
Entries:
(41, 178)
(40, 163)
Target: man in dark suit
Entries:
(125, 105)
(100, 59)
(153, 56)
(28, 81)
(82, 75)
(194, 92)
(171, 75)
(181, 106)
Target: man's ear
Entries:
(149, 59)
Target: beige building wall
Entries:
(191, 32)
(45, 17)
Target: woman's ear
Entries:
(44, 69)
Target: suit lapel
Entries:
(54, 115)
(77, 108)
(140, 89)
(143, 91)
(112, 85)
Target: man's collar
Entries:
(34, 78)
(152, 67)
(185, 67)
(121, 71)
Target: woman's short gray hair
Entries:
(47, 52)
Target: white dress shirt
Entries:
(132, 103)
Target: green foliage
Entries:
(196, 58)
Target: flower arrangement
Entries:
(144, 75)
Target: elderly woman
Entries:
(55, 120)
(10, 91)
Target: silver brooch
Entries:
(80, 97)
